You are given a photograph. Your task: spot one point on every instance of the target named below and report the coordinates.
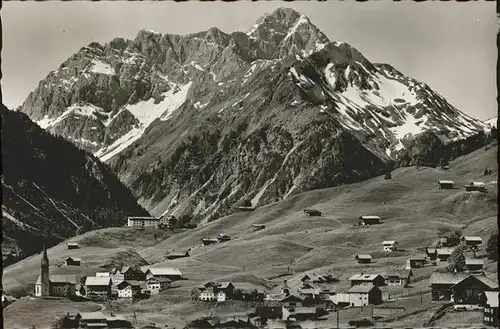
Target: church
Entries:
(53, 285)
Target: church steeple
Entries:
(44, 275)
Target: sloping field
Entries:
(411, 207)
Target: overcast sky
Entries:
(450, 46)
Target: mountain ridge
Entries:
(183, 120)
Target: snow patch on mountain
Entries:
(78, 109)
(100, 67)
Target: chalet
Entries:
(444, 285)
(446, 184)
(363, 258)
(70, 261)
(259, 226)
(472, 241)
(443, 254)
(221, 237)
(98, 287)
(92, 320)
(432, 254)
(312, 212)
(72, 245)
(474, 265)
(132, 273)
(467, 292)
(59, 285)
(390, 245)
(490, 310)
(209, 241)
(369, 220)
(401, 278)
(156, 285)
(441, 284)
(375, 279)
(116, 275)
(415, 262)
(145, 222)
(118, 321)
(475, 187)
(364, 294)
(313, 278)
(226, 287)
(129, 289)
(293, 309)
(178, 254)
(172, 274)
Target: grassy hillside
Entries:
(411, 206)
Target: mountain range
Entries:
(51, 190)
(195, 124)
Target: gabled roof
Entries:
(431, 250)
(474, 262)
(476, 184)
(97, 281)
(361, 288)
(442, 181)
(92, 316)
(491, 284)
(159, 279)
(292, 298)
(180, 253)
(143, 218)
(492, 298)
(73, 258)
(390, 242)
(164, 271)
(364, 277)
(445, 251)
(223, 285)
(72, 244)
(369, 217)
(59, 278)
(447, 278)
(472, 238)
(404, 274)
(132, 283)
(363, 256)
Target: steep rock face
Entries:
(51, 188)
(196, 123)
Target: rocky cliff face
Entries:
(196, 123)
(53, 190)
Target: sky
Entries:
(450, 46)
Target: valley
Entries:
(411, 207)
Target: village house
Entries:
(92, 320)
(72, 245)
(401, 278)
(293, 309)
(361, 278)
(157, 285)
(143, 222)
(178, 254)
(415, 262)
(129, 289)
(209, 241)
(116, 275)
(364, 294)
(390, 245)
(466, 293)
(363, 258)
(221, 237)
(474, 265)
(70, 261)
(475, 187)
(386, 293)
(446, 184)
(442, 254)
(133, 273)
(369, 220)
(443, 242)
(490, 310)
(314, 278)
(97, 287)
(259, 226)
(207, 295)
(432, 254)
(226, 287)
(59, 285)
(312, 212)
(173, 274)
(472, 241)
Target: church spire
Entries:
(45, 258)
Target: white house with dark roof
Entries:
(364, 294)
(390, 245)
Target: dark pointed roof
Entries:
(45, 258)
